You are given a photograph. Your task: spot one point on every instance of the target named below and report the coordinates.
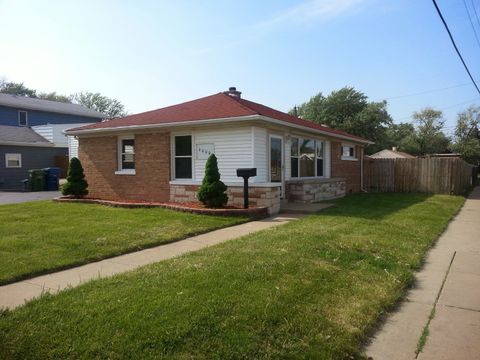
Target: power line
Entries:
(471, 23)
(455, 45)
(426, 91)
(442, 109)
(475, 12)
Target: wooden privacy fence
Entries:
(428, 175)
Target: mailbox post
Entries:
(246, 173)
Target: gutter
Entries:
(33, 144)
(213, 121)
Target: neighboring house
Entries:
(32, 134)
(21, 149)
(391, 154)
(160, 155)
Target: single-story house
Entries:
(32, 135)
(391, 154)
(160, 155)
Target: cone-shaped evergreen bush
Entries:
(212, 191)
(76, 184)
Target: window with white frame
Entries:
(126, 152)
(183, 161)
(306, 157)
(22, 118)
(13, 160)
(348, 151)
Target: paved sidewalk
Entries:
(8, 197)
(449, 284)
(16, 294)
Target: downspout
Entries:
(361, 171)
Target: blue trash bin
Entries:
(52, 178)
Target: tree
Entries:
(16, 89)
(53, 96)
(467, 135)
(110, 107)
(212, 191)
(429, 135)
(349, 110)
(76, 184)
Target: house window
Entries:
(348, 152)
(126, 155)
(319, 146)
(13, 160)
(22, 118)
(183, 157)
(294, 158)
(306, 157)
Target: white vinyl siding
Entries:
(233, 148)
(260, 154)
(72, 147)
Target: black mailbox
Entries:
(246, 173)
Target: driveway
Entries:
(7, 197)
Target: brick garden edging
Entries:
(254, 212)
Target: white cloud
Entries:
(314, 10)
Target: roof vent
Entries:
(232, 91)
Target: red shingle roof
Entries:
(216, 106)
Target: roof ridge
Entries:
(232, 98)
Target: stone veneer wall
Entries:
(258, 195)
(314, 190)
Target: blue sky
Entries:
(150, 54)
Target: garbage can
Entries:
(36, 179)
(52, 178)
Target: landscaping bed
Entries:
(45, 236)
(313, 288)
(191, 207)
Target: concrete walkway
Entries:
(16, 294)
(8, 197)
(448, 286)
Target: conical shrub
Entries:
(212, 192)
(76, 184)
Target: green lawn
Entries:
(41, 236)
(310, 289)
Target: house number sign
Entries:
(204, 151)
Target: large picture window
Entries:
(306, 157)
(183, 157)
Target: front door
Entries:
(276, 161)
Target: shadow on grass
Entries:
(371, 206)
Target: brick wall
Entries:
(350, 170)
(258, 196)
(152, 161)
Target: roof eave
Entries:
(210, 121)
(21, 143)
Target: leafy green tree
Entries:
(16, 89)
(53, 96)
(349, 110)
(110, 107)
(467, 135)
(76, 184)
(429, 135)
(212, 191)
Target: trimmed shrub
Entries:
(212, 192)
(76, 184)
